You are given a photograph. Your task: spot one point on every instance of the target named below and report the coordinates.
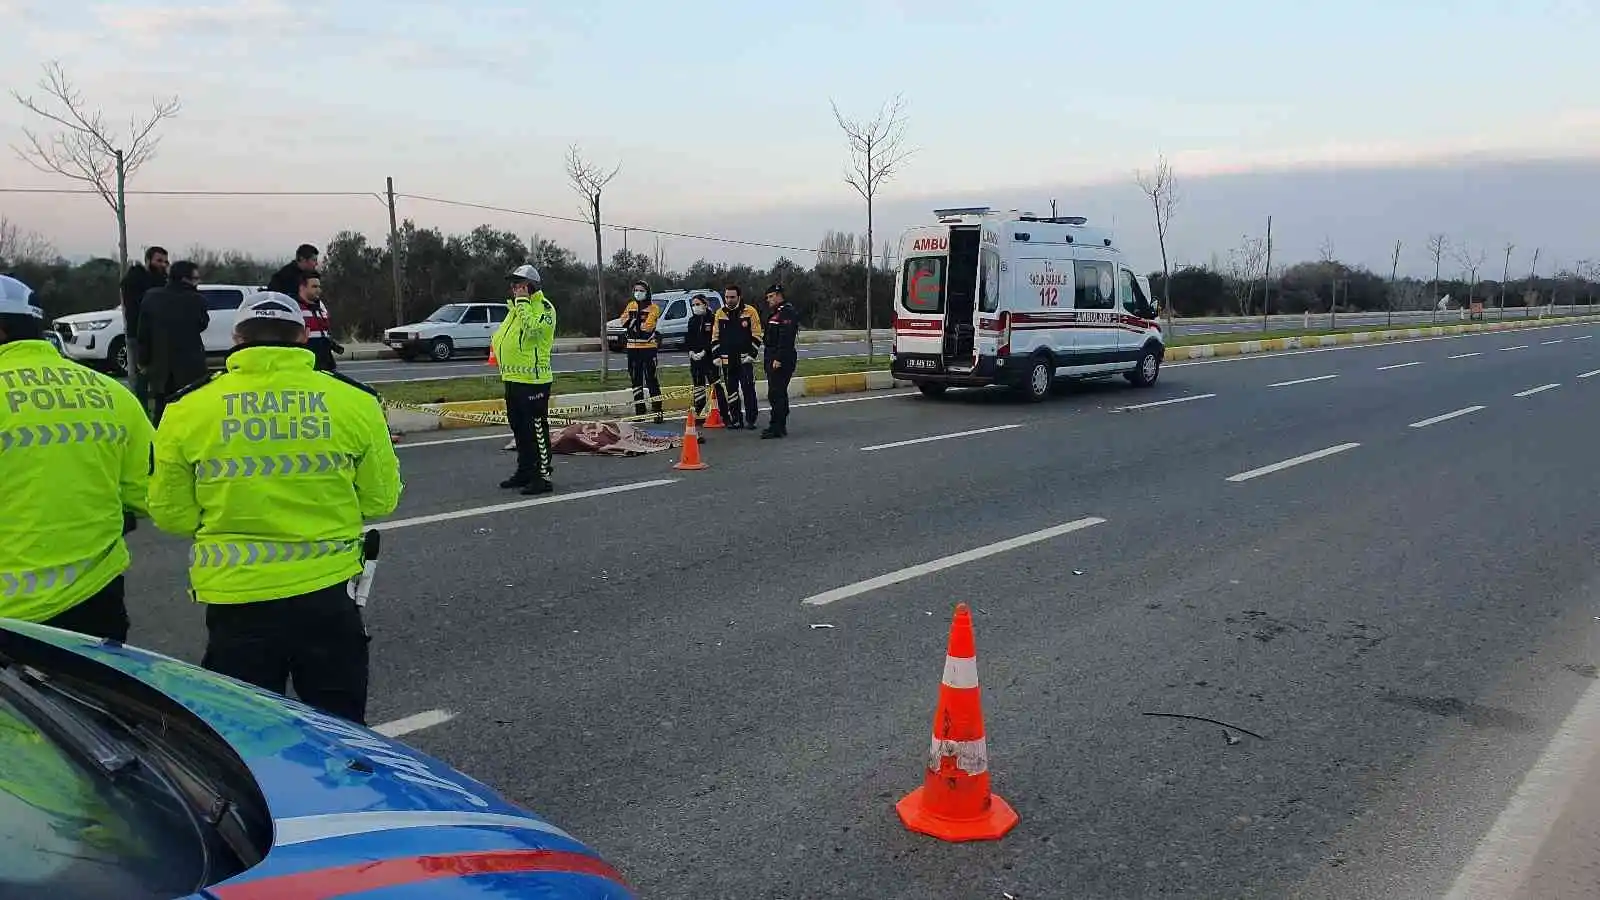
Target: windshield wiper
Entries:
(99, 749)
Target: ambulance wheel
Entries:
(441, 349)
(1149, 368)
(932, 389)
(1041, 378)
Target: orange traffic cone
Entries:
(690, 458)
(492, 360)
(955, 802)
(715, 419)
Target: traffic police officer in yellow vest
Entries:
(74, 468)
(522, 346)
(272, 467)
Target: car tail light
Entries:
(1005, 333)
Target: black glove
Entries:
(338, 348)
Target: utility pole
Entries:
(1394, 272)
(394, 260)
(122, 211)
(624, 239)
(1266, 280)
(1505, 273)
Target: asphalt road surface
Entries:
(378, 371)
(1378, 559)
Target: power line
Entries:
(767, 245)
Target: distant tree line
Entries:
(437, 268)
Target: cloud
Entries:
(240, 20)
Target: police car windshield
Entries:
(70, 831)
(449, 313)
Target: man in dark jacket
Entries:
(138, 281)
(286, 281)
(780, 356)
(172, 324)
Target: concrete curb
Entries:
(407, 421)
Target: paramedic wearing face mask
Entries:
(737, 339)
(702, 368)
(639, 320)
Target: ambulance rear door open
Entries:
(936, 318)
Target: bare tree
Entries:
(1471, 261)
(1243, 261)
(877, 149)
(658, 258)
(1161, 190)
(85, 148)
(590, 181)
(1325, 252)
(1437, 245)
(18, 246)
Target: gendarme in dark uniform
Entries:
(779, 357)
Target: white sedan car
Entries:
(451, 329)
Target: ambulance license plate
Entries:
(921, 363)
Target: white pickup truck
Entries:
(99, 339)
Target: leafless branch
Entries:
(1161, 189)
(877, 146)
(84, 148)
(18, 246)
(590, 180)
(1326, 252)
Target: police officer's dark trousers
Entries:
(103, 615)
(317, 640)
(778, 392)
(646, 384)
(707, 378)
(740, 375)
(528, 412)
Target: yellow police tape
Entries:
(560, 416)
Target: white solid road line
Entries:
(942, 437)
(1590, 374)
(1548, 343)
(1538, 390)
(1302, 381)
(1465, 355)
(409, 724)
(1500, 864)
(1584, 337)
(1164, 402)
(1517, 347)
(1290, 463)
(460, 440)
(1398, 366)
(393, 524)
(937, 565)
(1447, 417)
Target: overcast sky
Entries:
(1347, 121)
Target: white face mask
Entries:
(699, 309)
(638, 295)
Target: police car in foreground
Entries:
(127, 775)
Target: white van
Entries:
(98, 339)
(988, 297)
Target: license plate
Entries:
(922, 363)
(397, 344)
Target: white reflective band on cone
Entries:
(960, 672)
(972, 757)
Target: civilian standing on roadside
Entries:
(139, 280)
(172, 347)
(286, 280)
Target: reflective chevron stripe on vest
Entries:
(281, 464)
(227, 554)
(529, 371)
(24, 583)
(74, 433)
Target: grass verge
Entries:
(487, 387)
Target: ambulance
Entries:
(987, 297)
